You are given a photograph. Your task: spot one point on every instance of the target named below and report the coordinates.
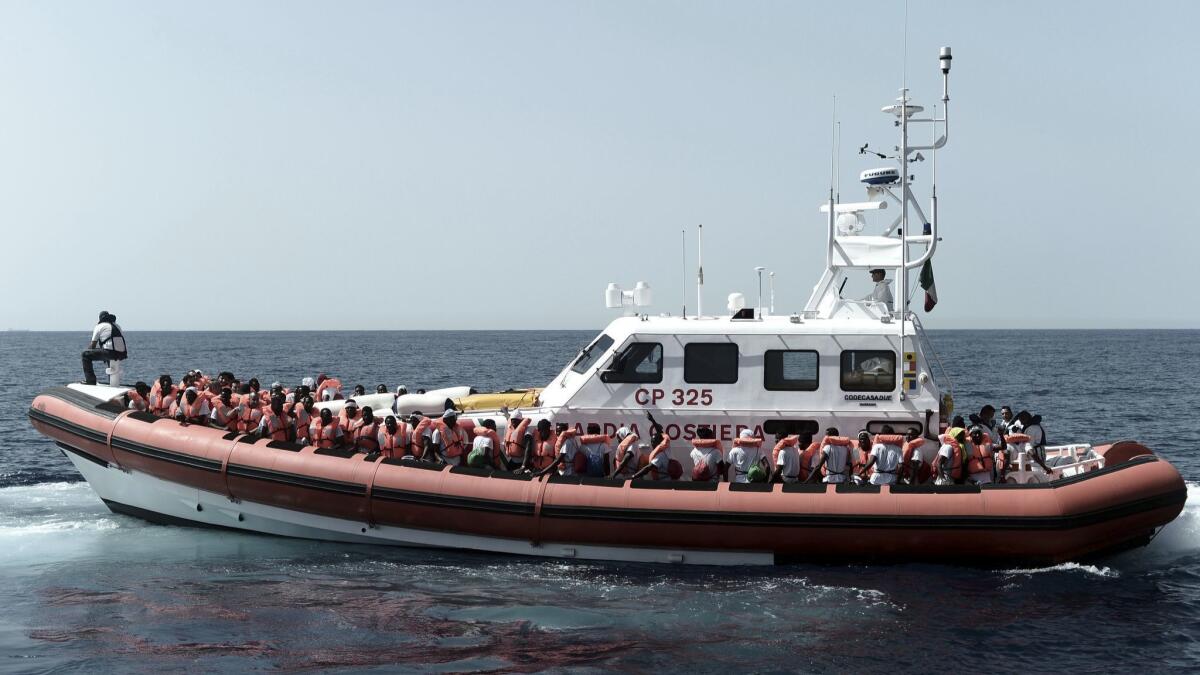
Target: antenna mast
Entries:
(700, 271)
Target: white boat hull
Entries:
(142, 495)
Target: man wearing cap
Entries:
(883, 288)
(108, 344)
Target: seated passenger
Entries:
(745, 458)
(301, 413)
(835, 458)
(914, 470)
(394, 438)
(359, 390)
(518, 443)
(980, 464)
(810, 455)
(485, 449)
(448, 442)
(162, 397)
(138, 397)
(886, 458)
(381, 389)
(348, 417)
(860, 452)
(328, 388)
(566, 447)
(595, 448)
(659, 464)
(365, 432)
(275, 425)
(544, 450)
(786, 459)
(708, 456)
(248, 412)
(325, 432)
(191, 409)
(224, 415)
(422, 435)
(627, 458)
(948, 465)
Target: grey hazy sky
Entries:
(264, 165)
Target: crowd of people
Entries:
(978, 452)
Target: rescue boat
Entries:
(844, 363)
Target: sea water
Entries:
(85, 590)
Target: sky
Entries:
(493, 165)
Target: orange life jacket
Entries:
(329, 383)
(160, 403)
(303, 418)
(192, 411)
(346, 422)
(276, 426)
(365, 436)
(223, 415)
(887, 439)
(704, 471)
(418, 436)
(136, 402)
(494, 456)
(663, 446)
(623, 448)
(247, 419)
(956, 458)
(910, 448)
(323, 435)
(844, 442)
(806, 460)
(784, 443)
(544, 449)
(393, 445)
(514, 437)
(454, 440)
(981, 460)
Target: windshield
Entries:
(588, 357)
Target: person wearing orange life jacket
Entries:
(394, 438)
(627, 457)
(543, 450)
(786, 458)
(422, 435)
(448, 442)
(224, 414)
(191, 409)
(981, 464)
(324, 432)
(275, 424)
(518, 443)
(486, 449)
(914, 470)
(595, 453)
(566, 449)
(659, 463)
(138, 397)
(364, 433)
(248, 414)
(948, 465)
(860, 452)
(348, 417)
(835, 458)
(810, 455)
(708, 456)
(162, 397)
(745, 454)
(328, 388)
(301, 413)
(886, 457)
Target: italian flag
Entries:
(928, 285)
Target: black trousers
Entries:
(89, 355)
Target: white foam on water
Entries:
(1067, 567)
(1181, 536)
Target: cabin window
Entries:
(790, 370)
(791, 427)
(592, 353)
(639, 362)
(710, 363)
(868, 370)
(898, 426)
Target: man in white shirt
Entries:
(744, 455)
(883, 289)
(834, 457)
(886, 460)
(787, 460)
(108, 344)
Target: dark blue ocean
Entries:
(84, 590)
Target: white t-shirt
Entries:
(570, 448)
(710, 456)
(887, 459)
(789, 461)
(661, 463)
(882, 292)
(836, 458)
(101, 333)
(204, 409)
(741, 459)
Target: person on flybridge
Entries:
(883, 288)
(108, 344)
